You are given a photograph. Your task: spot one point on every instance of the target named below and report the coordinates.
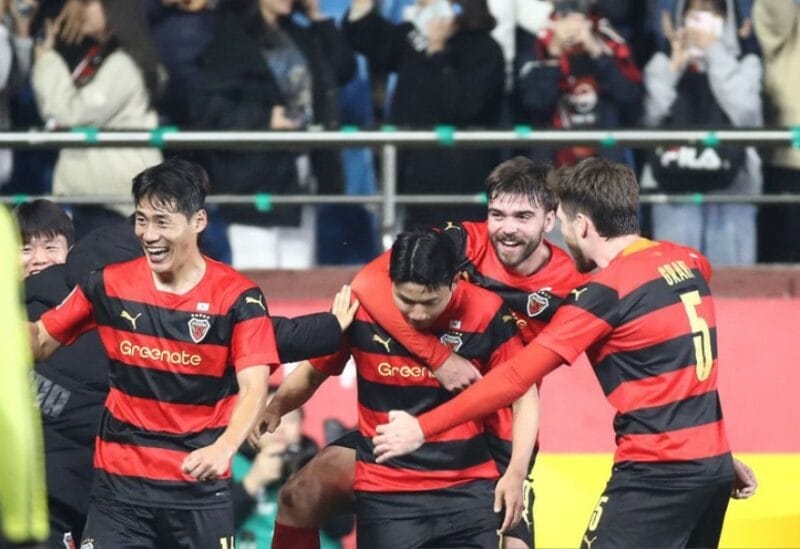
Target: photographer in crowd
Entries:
(258, 476)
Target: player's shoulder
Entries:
(227, 279)
(481, 304)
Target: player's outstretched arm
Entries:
(500, 387)
(372, 285)
(213, 460)
(508, 494)
(43, 345)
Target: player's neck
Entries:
(183, 278)
(538, 259)
(607, 250)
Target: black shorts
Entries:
(659, 515)
(117, 525)
(348, 440)
(452, 517)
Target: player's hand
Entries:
(508, 495)
(457, 373)
(267, 423)
(400, 436)
(208, 463)
(745, 482)
(343, 309)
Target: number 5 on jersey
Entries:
(701, 335)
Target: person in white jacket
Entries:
(725, 233)
(113, 87)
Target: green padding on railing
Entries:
(388, 128)
(484, 198)
(522, 130)
(711, 140)
(349, 128)
(446, 134)
(157, 135)
(18, 199)
(796, 137)
(608, 140)
(89, 133)
(697, 198)
(263, 202)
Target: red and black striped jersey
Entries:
(648, 327)
(477, 326)
(173, 361)
(534, 298)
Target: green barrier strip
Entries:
(522, 130)
(711, 140)
(796, 137)
(157, 135)
(697, 198)
(484, 198)
(263, 202)
(388, 128)
(89, 133)
(608, 140)
(349, 128)
(446, 135)
(18, 199)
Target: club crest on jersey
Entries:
(538, 302)
(453, 341)
(198, 327)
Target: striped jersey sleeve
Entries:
(253, 337)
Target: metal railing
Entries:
(389, 139)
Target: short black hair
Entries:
(176, 185)
(42, 218)
(423, 256)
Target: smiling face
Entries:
(168, 238)
(517, 228)
(43, 251)
(421, 305)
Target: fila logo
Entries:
(385, 342)
(132, 319)
(259, 302)
(199, 325)
(577, 292)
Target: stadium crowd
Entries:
(310, 64)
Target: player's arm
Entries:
(500, 387)
(43, 345)
(372, 284)
(508, 493)
(295, 390)
(213, 460)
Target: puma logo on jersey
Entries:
(577, 292)
(589, 542)
(385, 342)
(259, 302)
(451, 225)
(132, 319)
(508, 318)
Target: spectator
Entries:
(91, 95)
(777, 24)
(577, 73)
(47, 235)
(264, 71)
(258, 476)
(707, 79)
(449, 71)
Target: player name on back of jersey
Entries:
(675, 272)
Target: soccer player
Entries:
(441, 495)
(23, 502)
(181, 332)
(646, 320)
(47, 235)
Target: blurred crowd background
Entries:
(472, 64)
